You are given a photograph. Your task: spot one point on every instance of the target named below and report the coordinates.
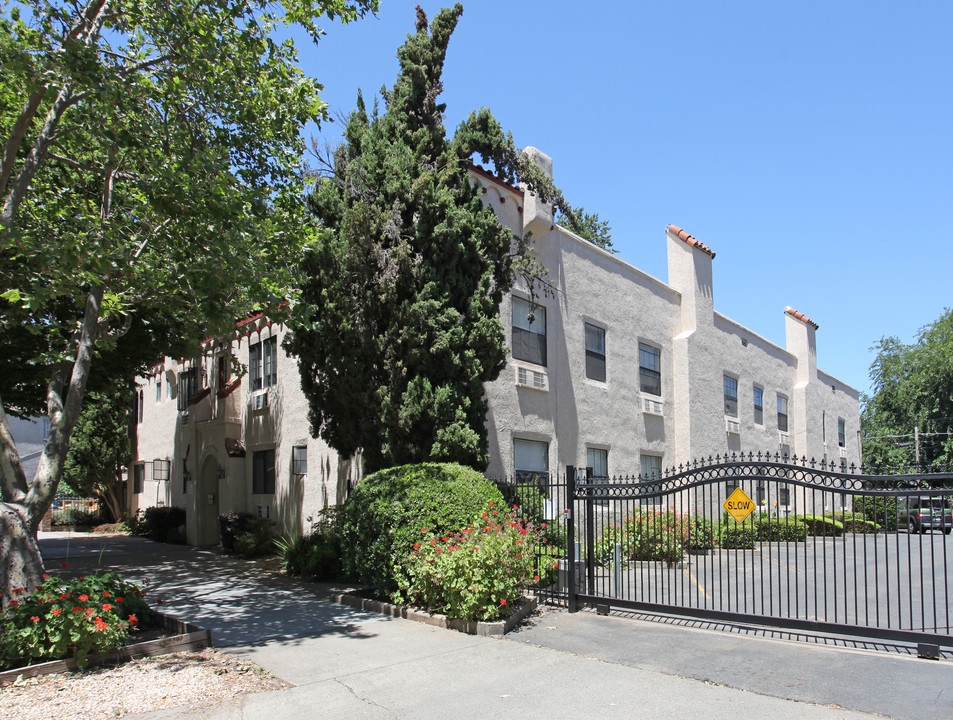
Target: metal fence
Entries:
(806, 545)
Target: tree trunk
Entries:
(20, 563)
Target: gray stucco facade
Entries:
(611, 366)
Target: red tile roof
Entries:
(800, 316)
(689, 240)
(478, 170)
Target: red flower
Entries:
(133, 620)
(64, 596)
(118, 599)
(19, 590)
(490, 504)
(100, 625)
(105, 593)
(64, 564)
(56, 611)
(77, 610)
(107, 606)
(34, 618)
(46, 576)
(417, 546)
(522, 531)
(502, 602)
(84, 598)
(89, 611)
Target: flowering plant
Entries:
(70, 618)
(477, 573)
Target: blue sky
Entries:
(808, 144)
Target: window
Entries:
(595, 353)
(263, 364)
(784, 496)
(651, 469)
(598, 460)
(529, 332)
(140, 401)
(188, 386)
(159, 388)
(650, 369)
(758, 405)
(168, 388)
(731, 396)
(263, 472)
(760, 492)
(782, 413)
(138, 475)
(161, 470)
(531, 459)
(841, 432)
(299, 460)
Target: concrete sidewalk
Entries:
(347, 663)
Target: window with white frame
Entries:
(158, 388)
(531, 459)
(782, 413)
(263, 472)
(598, 460)
(263, 364)
(650, 468)
(529, 332)
(299, 460)
(731, 395)
(140, 401)
(161, 469)
(841, 432)
(650, 369)
(595, 352)
(138, 476)
(758, 405)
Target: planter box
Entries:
(497, 628)
(185, 636)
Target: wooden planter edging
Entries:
(186, 637)
(473, 627)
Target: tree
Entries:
(100, 446)
(398, 323)
(149, 180)
(590, 227)
(912, 388)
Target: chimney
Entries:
(802, 343)
(537, 215)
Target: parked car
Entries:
(919, 514)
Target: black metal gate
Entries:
(812, 546)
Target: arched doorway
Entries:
(206, 504)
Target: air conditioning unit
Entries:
(260, 401)
(784, 438)
(533, 379)
(843, 453)
(652, 407)
(732, 426)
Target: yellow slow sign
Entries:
(739, 505)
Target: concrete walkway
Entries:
(347, 663)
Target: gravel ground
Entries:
(193, 679)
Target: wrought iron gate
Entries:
(824, 548)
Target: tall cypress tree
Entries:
(398, 328)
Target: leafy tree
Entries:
(912, 388)
(590, 227)
(149, 184)
(100, 446)
(398, 326)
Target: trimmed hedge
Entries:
(818, 525)
(164, 522)
(386, 512)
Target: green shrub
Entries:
(818, 525)
(737, 536)
(74, 517)
(387, 510)
(477, 573)
(701, 534)
(880, 510)
(605, 545)
(646, 535)
(773, 529)
(70, 619)
(257, 539)
(164, 523)
(318, 554)
(853, 522)
(231, 525)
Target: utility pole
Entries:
(916, 442)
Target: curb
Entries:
(187, 637)
(497, 629)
